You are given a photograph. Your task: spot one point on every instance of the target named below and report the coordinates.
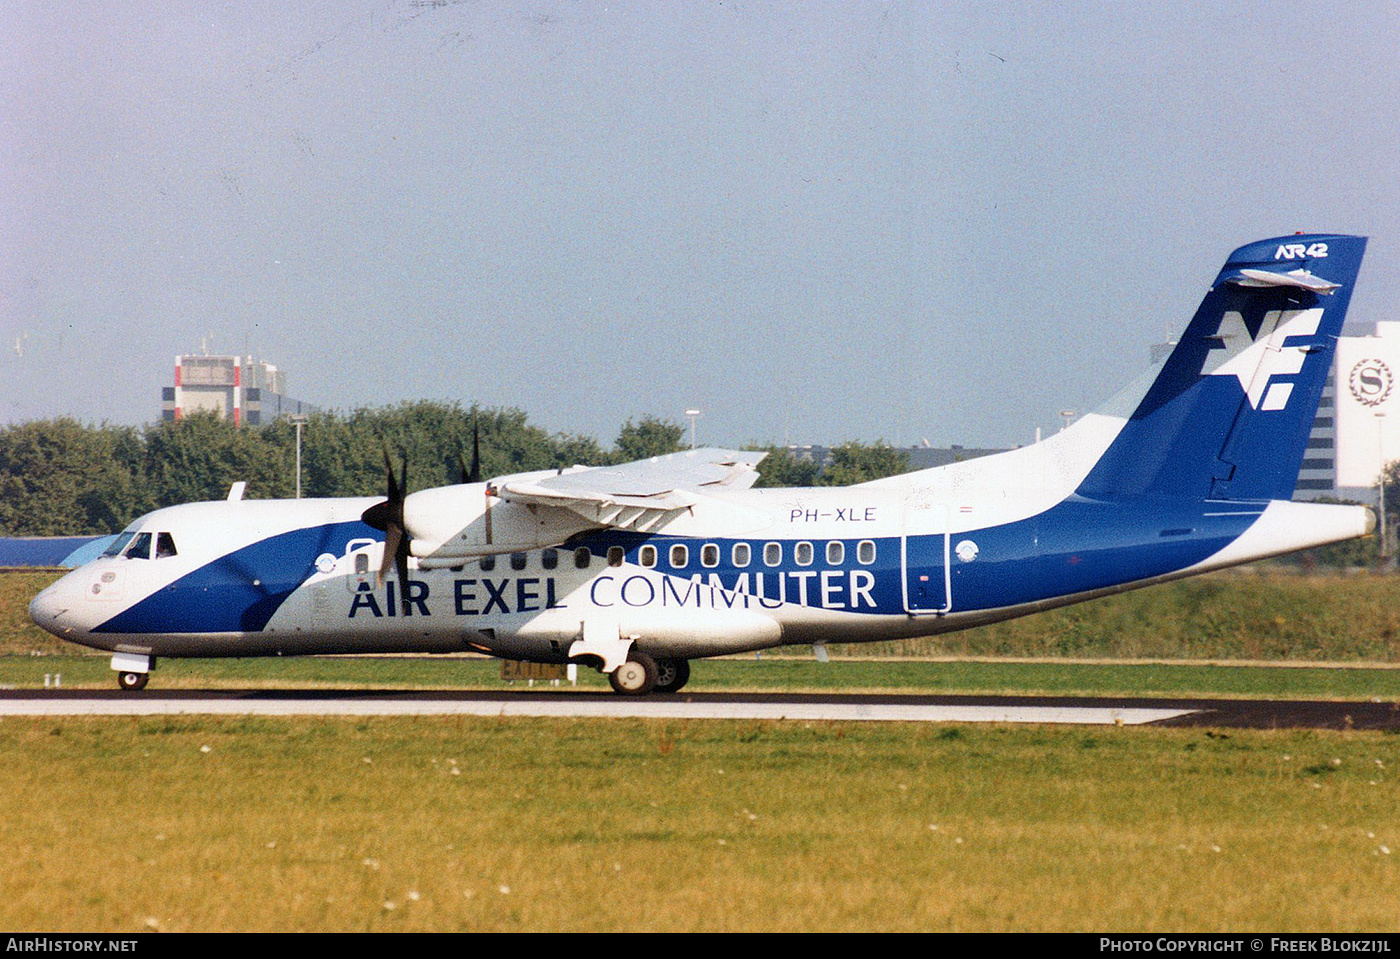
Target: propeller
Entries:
(388, 517)
(472, 475)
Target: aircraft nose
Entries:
(48, 608)
(57, 608)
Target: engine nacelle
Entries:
(449, 524)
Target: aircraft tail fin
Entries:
(1229, 414)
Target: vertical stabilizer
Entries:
(1228, 417)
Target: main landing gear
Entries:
(635, 677)
(671, 674)
(630, 671)
(642, 674)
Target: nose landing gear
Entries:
(133, 681)
(133, 670)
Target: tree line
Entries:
(61, 477)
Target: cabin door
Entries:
(924, 555)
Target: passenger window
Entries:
(616, 554)
(165, 545)
(772, 553)
(865, 552)
(647, 556)
(679, 556)
(802, 554)
(140, 547)
(709, 555)
(488, 563)
(549, 559)
(582, 557)
(361, 564)
(740, 555)
(835, 553)
(517, 561)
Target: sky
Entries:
(815, 222)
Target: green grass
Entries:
(463, 824)
(17, 633)
(767, 674)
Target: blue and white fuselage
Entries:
(667, 560)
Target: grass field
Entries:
(204, 823)
(469, 824)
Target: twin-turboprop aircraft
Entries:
(638, 569)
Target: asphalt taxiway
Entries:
(1220, 713)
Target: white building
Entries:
(236, 388)
(1367, 405)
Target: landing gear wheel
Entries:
(636, 677)
(671, 674)
(133, 681)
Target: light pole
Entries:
(298, 420)
(692, 414)
(1380, 480)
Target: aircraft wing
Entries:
(640, 495)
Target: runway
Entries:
(1219, 713)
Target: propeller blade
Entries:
(475, 475)
(388, 517)
(471, 474)
(395, 492)
(401, 567)
(393, 536)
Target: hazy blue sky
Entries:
(816, 221)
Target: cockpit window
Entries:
(118, 544)
(140, 547)
(165, 545)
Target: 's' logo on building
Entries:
(1371, 382)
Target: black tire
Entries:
(671, 674)
(133, 681)
(636, 677)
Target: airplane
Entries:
(638, 569)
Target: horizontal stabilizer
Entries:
(1301, 279)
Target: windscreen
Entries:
(119, 544)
